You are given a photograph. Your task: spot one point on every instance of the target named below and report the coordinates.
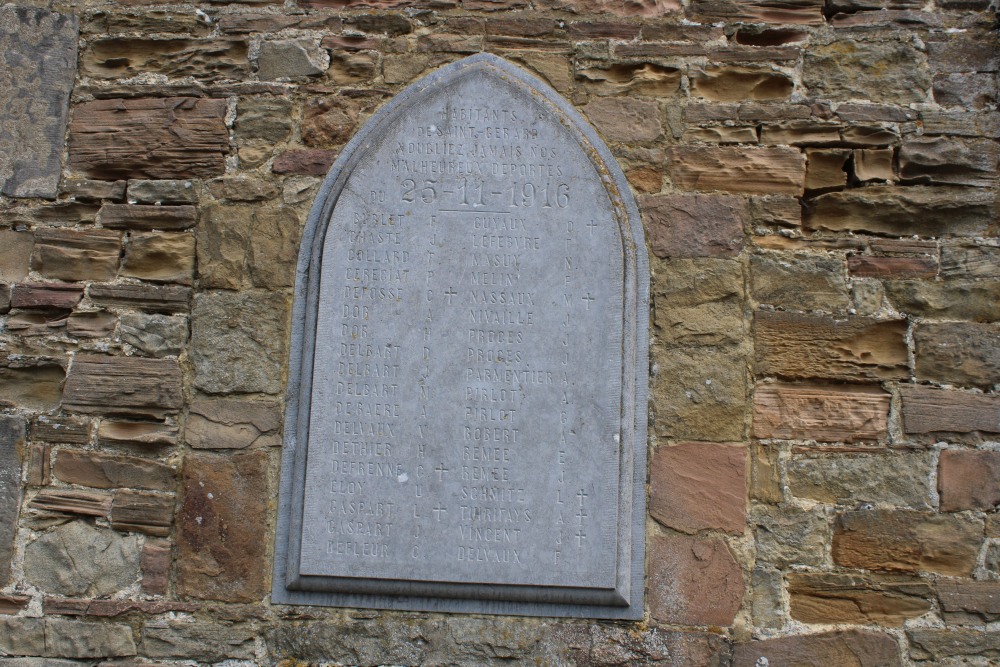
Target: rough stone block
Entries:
(220, 555)
(961, 353)
(91, 324)
(930, 410)
(15, 255)
(123, 385)
(68, 501)
(736, 84)
(155, 566)
(33, 383)
(142, 434)
(904, 211)
(809, 346)
(233, 424)
(203, 59)
(39, 51)
(79, 559)
(699, 486)
(841, 70)
(329, 122)
(869, 266)
(863, 648)
(147, 513)
(907, 541)
(12, 436)
(103, 471)
(805, 12)
(154, 298)
(305, 162)
(166, 257)
(290, 60)
(827, 413)
(975, 90)
(629, 120)
(825, 169)
(949, 161)
(65, 254)
(693, 581)
(737, 169)
(238, 341)
(140, 217)
(790, 536)
(46, 295)
(847, 598)
(163, 137)
(969, 480)
(694, 225)
(645, 78)
(971, 602)
(970, 261)
(977, 300)
(873, 164)
(799, 281)
(208, 642)
(153, 334)
(937, 645)
(897, 479)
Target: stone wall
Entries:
(818, 185)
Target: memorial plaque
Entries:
(467, 401)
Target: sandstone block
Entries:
(976, 90)
(103, 471)
(939, 644)
(153, 298)
(143, 434)
(800, 281)
(736, 84)
(238, 341)
(694, 225)
(233, 424)
(33, 383)
(721, 134)
(65, 254)
(767, 607)
(63, 430)
(209, 642)
(969, 480)
(808, 346)
(825, 168)
(148, 513)
(873, 164)
(91, 324)
(907, 541)
(66, 501)
(168, 137)
(11, 605)
(73, 639)
(46, 295)
(759, 11)
(765, 474)
(352, 68)
(139, 217)
(123, 385)
(962, 353)
(242, 189)
(155, 566)
(901, 480)
(274, 247)
(790, 536)
(848, 598)
(15, 255)
(39, 73)
(204, 59)
(90, 190)
(79, 559)
(629, 120)
(972, 602)
(162, 192)
(265, 118)
(12, 436)
(306, 162)
(699, 486)
(166, 257)
(693, 581)
(945, 160)
(290, 60)
(153, 334)
(863, 648)
(840, 71)
(951, 299)
(827, 413)
(803, 133)
(329, 122)
(930, 410)
(644, 79)
(926, 211)
(220, 555)
(869, 266)
(737, 169)
(970, 261)
(700, 392)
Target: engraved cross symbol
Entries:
(581, 515)
(588, 299)
(440, 470)
(581, 495)
(450, 292)
(580, 537)
(437, 511)
(592, 225)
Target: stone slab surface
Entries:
(469, 418)
(37, 71)
(12, 433)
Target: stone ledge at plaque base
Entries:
(466, 421)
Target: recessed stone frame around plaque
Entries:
(466, 412)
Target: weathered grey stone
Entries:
(79, 559)
(767, 607)
(37, 72)
(73, 639)
(12, 434)
(265, 118)
(232, 424)
(949, 161)
(202, 641)
(842, 70)
(155, 335)
(15, 255)
(791, 537)
(803, 281)
(290, 59)
(162, 192)
(939, 644)
(901, 480)
(238, 341)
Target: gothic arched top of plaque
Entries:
(466, 414)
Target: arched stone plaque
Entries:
(466, 418)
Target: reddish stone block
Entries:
(738, 169)
(828, 413)
(123, 385)
(907, 541)
(45, 295)
(865, 266)
(694, 225)
(930, 410)
(969, 480)
(305, 162)
(220, 553)
(155, 567)
(858, 648)
(624, 119)
(692, 581)
(699, 486)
